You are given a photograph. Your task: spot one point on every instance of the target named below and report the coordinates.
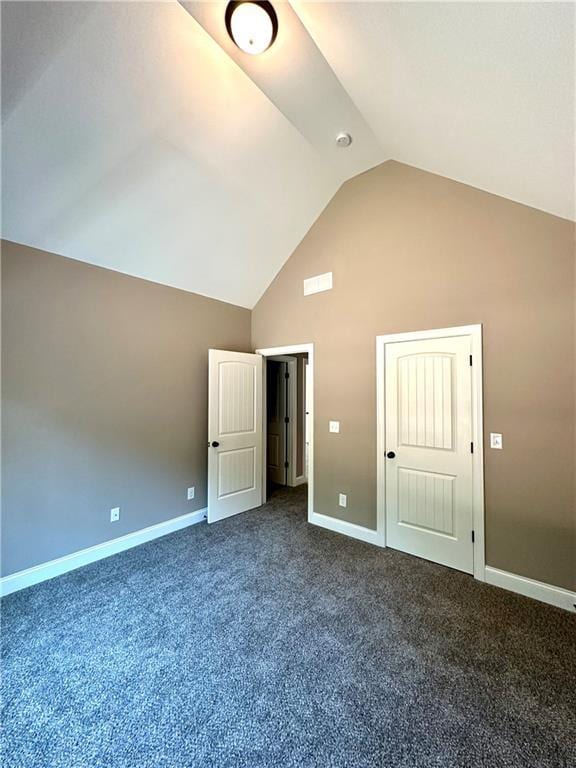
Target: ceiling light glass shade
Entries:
(252, 25)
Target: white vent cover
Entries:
(318, 284)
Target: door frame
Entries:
(475, 334)
(292, 349)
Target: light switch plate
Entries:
(496, 440)
(342, 499)
(334, 426)
(190, 494)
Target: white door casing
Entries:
(234, 433)
(295, 349)
(430, 491)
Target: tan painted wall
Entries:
(410, 251)
(104, 402)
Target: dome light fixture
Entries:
(252, 24)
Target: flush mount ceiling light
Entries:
(252, 24)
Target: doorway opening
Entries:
(286, 417)
(288, 420)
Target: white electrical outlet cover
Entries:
(114, 514)
(334, 426)
(342, 499)
(190, 493)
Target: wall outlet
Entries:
(114, 514)
(342, 500)
(190, 493)
(334, 426)
(496, 440)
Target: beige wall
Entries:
(104, 402)
(104, 375)
(409, 251)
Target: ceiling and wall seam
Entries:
(132, 142)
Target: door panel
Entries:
(235, 424)
(274, 452)
(236, 388)
(429, 492)
(236, 471)
(425, 401)
(276, 395)
(426, 501)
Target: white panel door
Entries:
(429, 490)
(234, 433)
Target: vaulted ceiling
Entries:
(136, 136)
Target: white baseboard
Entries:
(45, 571)
(546, 593)
(537, 590)
(348, 529)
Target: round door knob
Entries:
(215, 444)
(391, 455)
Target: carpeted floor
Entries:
(264, 641)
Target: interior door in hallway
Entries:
(428, 413)
(276, 428)
(234, 433)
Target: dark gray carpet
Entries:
(263, 641)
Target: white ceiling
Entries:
(481, 92)
(137, 137)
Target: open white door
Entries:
(234, 433)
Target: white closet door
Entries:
(429, 491)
